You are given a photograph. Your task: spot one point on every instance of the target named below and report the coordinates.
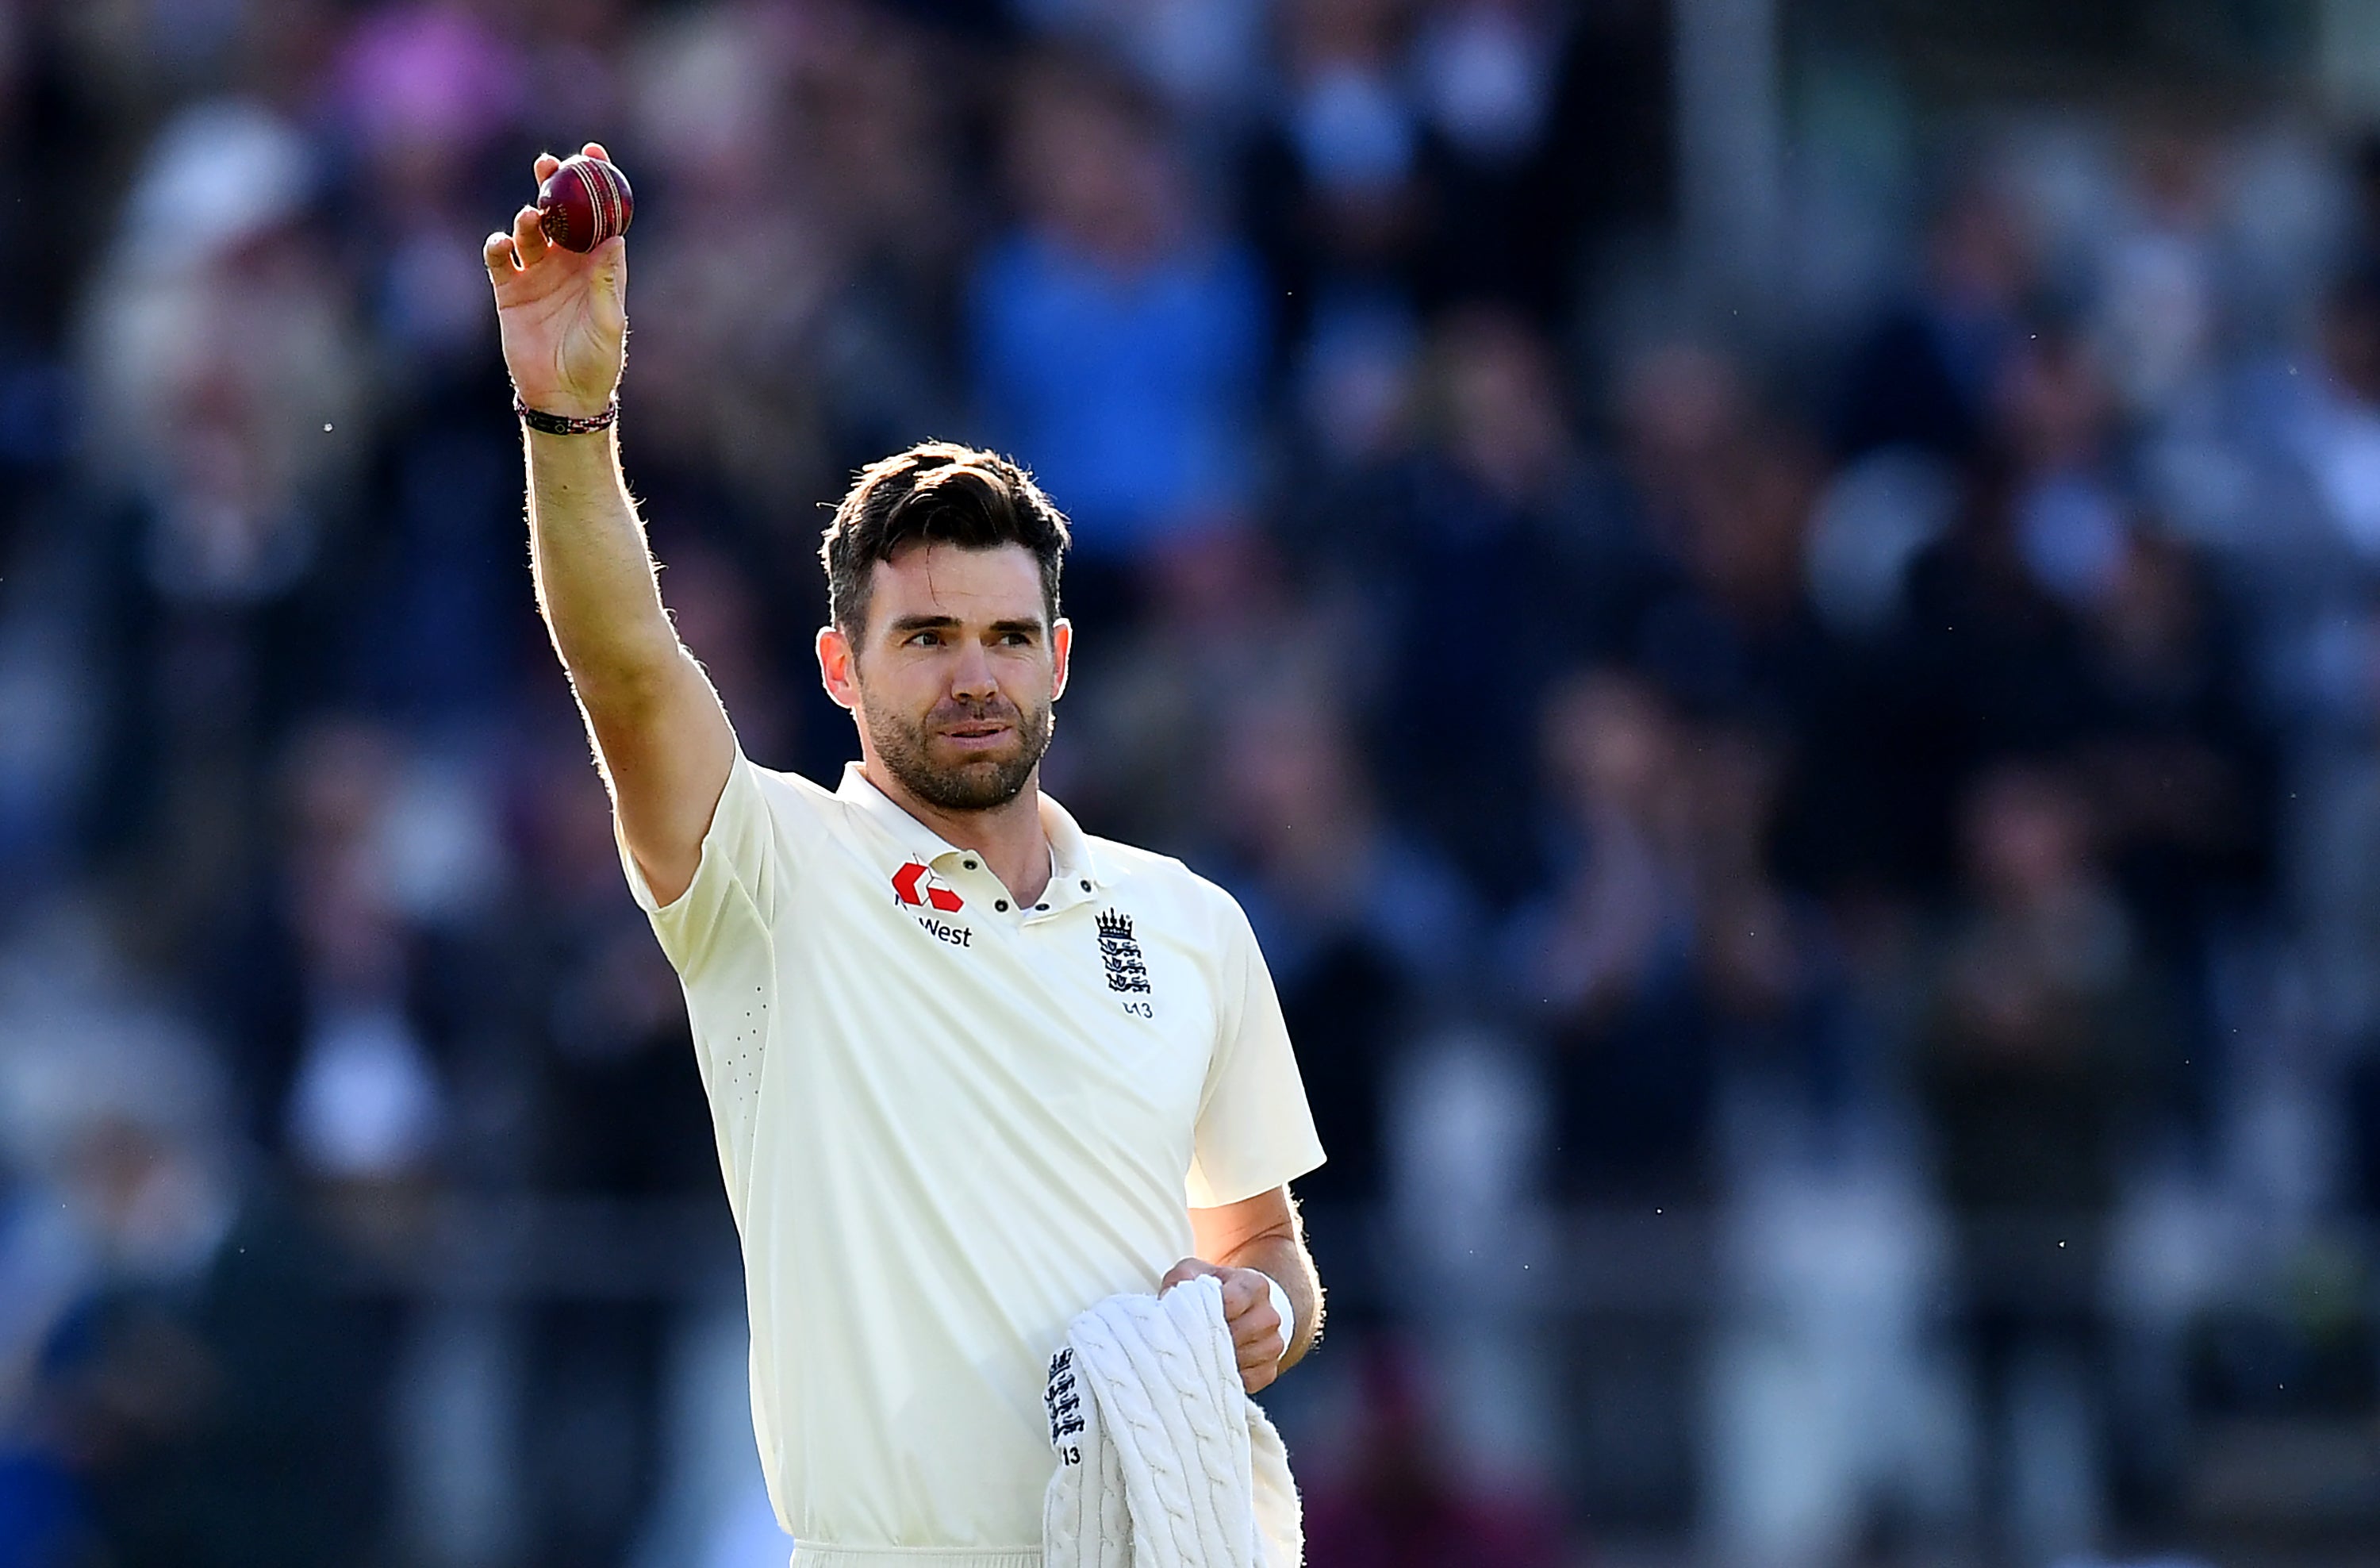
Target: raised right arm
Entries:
(660, 737)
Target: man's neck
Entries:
(1010, 837)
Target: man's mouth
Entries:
(975, 737)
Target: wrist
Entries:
(565, 415)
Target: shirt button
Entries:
(1041, 906)
(1087, 887)
(1000, 905)
(968, 864)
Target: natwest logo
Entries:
(917, 887)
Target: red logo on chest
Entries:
(917, 886)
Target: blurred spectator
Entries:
(892, 200)
(2041, 1046)
(1337, 193)
(218, 362)
(1486, 73)
(356, 977)
(364, 1102)
(424, 90)
(1786, 1028)
(2043, 1064)
(620, 1105)
(1366, 932)
(2179, 759)
(2057, 413)
(1356, 391)
(1662, 959)
(222, 369)
(421, 98)
(1606, 961)
(1736, 633)
(1925, 375)
(208, 1391)
(1223, 624)
(1985, 663)
(726, 294)
(1491, 558)
(795, 323)
(1678, 407)
(1117, 339)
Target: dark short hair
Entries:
(936, 492)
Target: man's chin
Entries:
(972, 762)
(974, 783)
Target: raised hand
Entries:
(563, 316)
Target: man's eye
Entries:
(925, 640)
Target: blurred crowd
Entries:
(1821, 850)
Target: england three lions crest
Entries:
(1119, 953)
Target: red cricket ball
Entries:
(585, 202)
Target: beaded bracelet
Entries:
(564, 424)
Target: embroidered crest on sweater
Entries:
(1064, 1400)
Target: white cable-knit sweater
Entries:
(1162, 1461)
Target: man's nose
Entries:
(971, 677)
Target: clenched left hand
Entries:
(1257, 1332)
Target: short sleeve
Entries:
(736, 885)
(1255, 1130)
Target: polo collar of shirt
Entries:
(1078, 870)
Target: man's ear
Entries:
(838, 668)
(1061, 656)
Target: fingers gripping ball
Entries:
(585, 202)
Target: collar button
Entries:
(1087, 887)
(1000, 905)
(968, 864)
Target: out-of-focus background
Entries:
(1772, 605)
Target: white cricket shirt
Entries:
(948, 1125)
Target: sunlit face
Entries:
(954, 675)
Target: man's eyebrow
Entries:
(903, 624)
(1032, 624)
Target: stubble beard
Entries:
(980, 783)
